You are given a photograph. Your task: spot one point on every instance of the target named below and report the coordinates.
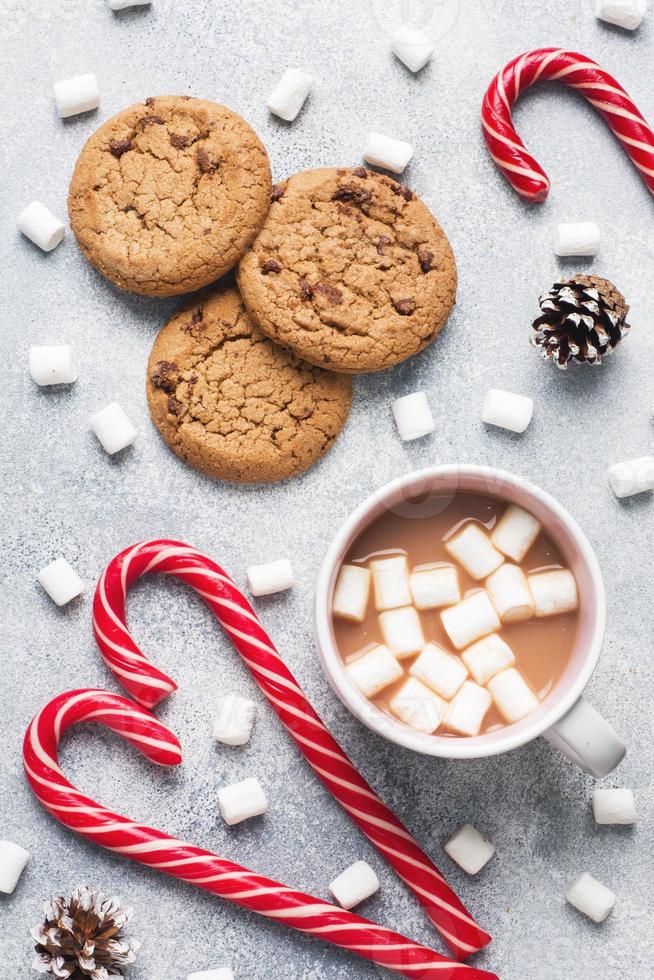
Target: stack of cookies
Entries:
(339, 272)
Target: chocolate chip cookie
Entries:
(350, 270)
(232, 403)
(167, 195)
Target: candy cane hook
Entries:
(188, 863)
(149, 685)
(577, 71)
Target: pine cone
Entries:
(82, 938)
(582, 319)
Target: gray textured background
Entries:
(63, 495)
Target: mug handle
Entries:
(587, 740)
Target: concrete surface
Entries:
(63, 495)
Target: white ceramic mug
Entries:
(564, 717)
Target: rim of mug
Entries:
(509, 737)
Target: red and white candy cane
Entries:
(577, 71)
(192, 864)
(149, 685)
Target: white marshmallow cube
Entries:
(590, 896)
(387, 152)
(473, 617)
(354, 885)
(13, 859)
(623, 13)
(433, 588)
(554, 592)
(60, 581)
(41, 226)
(352, 593)
(510, 594)
(234, 719)
(274, 576)
(469, 849)
(240, 801)
(582, 238)
(121, 5)
(412, 47)
(488, 657)
(632, 476)
(413, 416)
(290, 93)
(113, 429)
(374, 670)
(512, 695)
(402, 631)
(390, 580)
(439, 670)
(507, 410)
(515, 532)
(467, 711)
(52, 365)
(75, 95)
(614, 806)
(473, 549)
(418, 707)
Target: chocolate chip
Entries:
(405, 307)
(352, 192)
(425, 258)
(174, 407)
(179, 142)
(406, 243)
(382, 242)
(151, 121)
(164, 375)
(206, 164)
(361, 172)
(118, 147)
(197, 316)
(277, 192)
(149, 101)
(331, 293)
(270, 267)
(306, 291)
(402, 191)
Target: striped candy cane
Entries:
(192, 864)
(149, 685)
(577, 71)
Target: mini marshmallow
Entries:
(507, 410)
(515, 532)
(412, 47)
(473, 549)
(52, 365)
(274, 576)
(632, 476)
(614, 806)
(413, 416)
(13, 859)
(512, 695)
(473, 617)
(374, 670)
(240, 801)
(121, 5)
(41, 226)
(402, 631)
(418, 707)
(390, 579)
(60, 581)
(439, 670)
(354, 885)
(510, 594)
(433, 588)
(577, 239)
(591, 897)
(352, 593)
(387, 152)
(623, 13)
(288, 97)
(469, 849)
(113, 429)
(554, 592)
(234, 719)
(488, 657)
(468, 709)
(75, 95)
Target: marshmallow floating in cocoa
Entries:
(418, 706)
